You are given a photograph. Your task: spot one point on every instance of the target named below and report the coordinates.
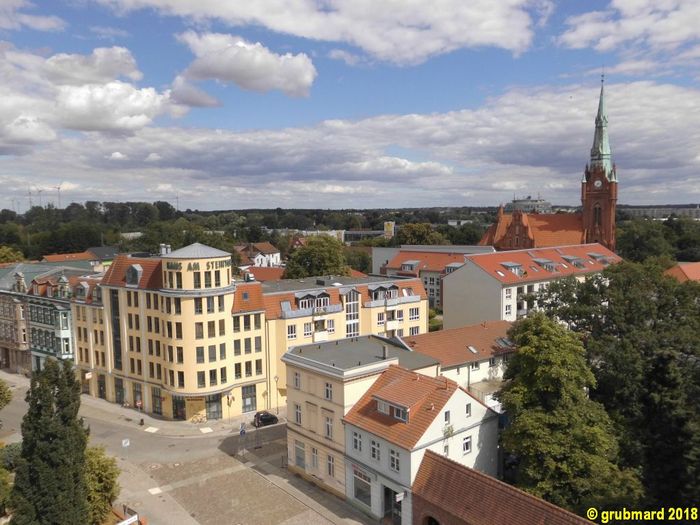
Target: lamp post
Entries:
(277, 401)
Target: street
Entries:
(179, 473)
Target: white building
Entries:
(402, 415)
(494, 286)
(258, 254)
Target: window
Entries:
(357, 441)
(297, 380)
(447, 417)
(248, 368)
(308, 329)
(363, 487)
(352, 314)
(314, 458)
(509, 293)
(178, 330)
(236, 324)
(197, 277)
(380, 319)
(329, 427)
(248, 348)
(200, 380)
(237, 371)
(178, 305)
(180, 356)
(414, 330)
(466, 445)
(170, 354)
(394, 460)
(258, 367)
(509, 309)
(178, 281)
(207, 279)
(446, 449)
(257, 318)
(212, 377)
(399, 315)
(299, 454)
(468, 412)
(222, 373)
(211, 329)
(291, 331)
(237, 347)
(246, 323)
(222, 351)
(297, 413)
(212, 353)
(331, 466)
(217, 278)
(210, 305)
(475, 365)
(375, 450)
(181, 379)
(258, 344)
(200, 354)
(328, 392)
(413, 314)
(199, 330)
(492, 362)
(220, 300)
(330, 326)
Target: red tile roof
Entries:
(473, 498)
(493, 263)
(150, 279)
(683, 272)
(545, 229)
(451, 347)
(266, 274)
(357, 273)
(428, 261)
(426, 395)
(248, 298)
(65, 257)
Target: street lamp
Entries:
(277, 401)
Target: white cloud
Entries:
(404, 32)
(12, 17)
(102, 65)
(230, 59)
(117, 155)
(183, 92)
(109, 33)
(350, 59)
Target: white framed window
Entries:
(399, 315)
(466, 445)
(292, 331)
(297, 413)
(400, 413)
(328, 392)
(475, 365)
(330, 326)
(375, 451)
(352, 329)
(308, 329)
(314, 458)
(413, 314)
(492, 362)
(305, 303)
(357, 441)
(447, 417)
(297, 380)
(468, 411)
(509, 293)
(399, 332)
(394, 460)
(414, 330)
(331, 466)
(509, 309)
(329, 427)
(380, 319)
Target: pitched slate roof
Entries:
(424, 396)
(545, 229)
(686, 271)
(451, 347)
(151, 278)
(592, 257)
(473, 498)
(103, 253)
(196, 251)
(428, 261)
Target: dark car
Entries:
(264, 418)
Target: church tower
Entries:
(599, 184)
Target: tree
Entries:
(322, 255)
(564, 441)
(50, 477)
(5, 395)
(358, 259)
(421, 233)
(8, 255)
(101, 477)
(641, 238)
(642, 336)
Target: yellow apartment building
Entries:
(324, 382)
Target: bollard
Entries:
(141, 422)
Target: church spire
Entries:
(601, 156)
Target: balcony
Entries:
(315, 312)
(391, 304)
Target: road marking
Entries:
(152, 430)
(205, 430)
(155, 491)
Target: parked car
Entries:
(264, 418)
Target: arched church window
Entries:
(597, 215)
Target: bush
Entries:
(9, 455)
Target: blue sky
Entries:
(344, 103)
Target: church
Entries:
(594, 223)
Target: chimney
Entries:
(161, 249)
(20, 283)
(385, 352)
(167, 248)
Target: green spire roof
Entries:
(601, 156)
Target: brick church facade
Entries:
(594, 223)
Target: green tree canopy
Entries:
(50, 476)
(420, 233)
(101, 477)
(642, 238)
(563, 440)
(322, 255)
(9, 255)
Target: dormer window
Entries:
(306, 302)
(399, 413)
(322, 301)
(513, 267)
(133, 274)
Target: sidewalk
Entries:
(95, 408)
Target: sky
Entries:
(213, 104)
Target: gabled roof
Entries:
(428, 261)
(151, 276)
(265, 247)
(545, 229)
(452, 346)
(474, 498)
(686, 271)
(248, 298)
(196, 251)
(67, 257)
(103, 253)
(592, 257)
(428, 395)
